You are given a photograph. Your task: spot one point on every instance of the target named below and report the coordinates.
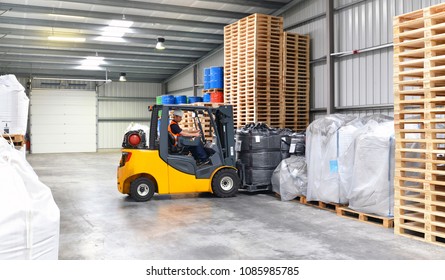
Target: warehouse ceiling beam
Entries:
(105, 67)
(163, 8)
(287, 7)
(97, 47)
(26, 50)
(69, 79)
(43, 34)
(110, 16)
(79, 74)
(250, 3)
(156, 66)
(100, 27)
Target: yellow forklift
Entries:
(158, 166)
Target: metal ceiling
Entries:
(191, 28)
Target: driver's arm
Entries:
(186, 133)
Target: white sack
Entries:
(325, 143)
(372, 188)
(29, 217)
(14, 105)
(289, 179)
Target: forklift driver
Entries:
(197, 151)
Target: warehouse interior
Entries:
(90, 70)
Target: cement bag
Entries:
(323, 148)
(29, 217)
(373, 175)
(14, 105)
(289, 179)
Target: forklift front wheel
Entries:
(142, 189)
(225, 183)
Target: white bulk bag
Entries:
(372, 188)
(14, 105)
(324, 146)
(289, 179)
(29, 217)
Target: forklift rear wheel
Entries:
(142, 189)
(225, 183)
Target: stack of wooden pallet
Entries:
(266, 73)
(252, 69)
(295, 94)
(419, 113)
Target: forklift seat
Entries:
(172, 148)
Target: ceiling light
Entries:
(67, 16)
(114, 31)
(122, 78)
(91, 63)
(160, 44)
(66, 39)
(121, 23)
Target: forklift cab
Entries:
(167, 169)
(216, 137)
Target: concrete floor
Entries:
(99, 223)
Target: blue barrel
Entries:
(168, 99)
(206, 97)
(194, 99)
(206, 78)
(181, 99)
(216, 77)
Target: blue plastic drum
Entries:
(206, 97)
(181, 99)
(216, 77)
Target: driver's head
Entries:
(177, 115)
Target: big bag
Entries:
(29, 217)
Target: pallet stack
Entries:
(252, 69)
(295, 94)
(419, 115)
(188, 120)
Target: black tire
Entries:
(142, 189)
(225, 183)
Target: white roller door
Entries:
(63, 121)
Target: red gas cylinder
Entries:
(134, 139)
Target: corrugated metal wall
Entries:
(182, 84)
(121, 104)
(362, 80)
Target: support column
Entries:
(330, 77)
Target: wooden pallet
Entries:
(413, 221)
(319, 204)
(386, 222)
(208, 104)
(210, 90)
(17, 139)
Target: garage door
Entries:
(62, 121)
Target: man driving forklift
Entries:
(197, 150)
(148, 168)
